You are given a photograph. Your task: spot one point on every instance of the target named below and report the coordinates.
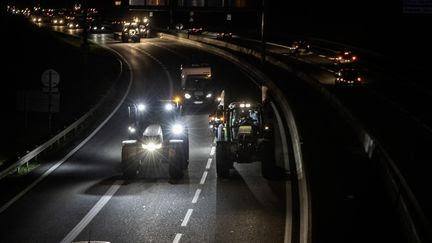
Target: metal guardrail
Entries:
(417, 227)
(35, 152)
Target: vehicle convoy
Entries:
(157, 134)
(196, 83)
(246, 135)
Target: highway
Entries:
(86, 198)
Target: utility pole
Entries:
(263, 48)
(85, 44)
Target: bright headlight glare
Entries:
(168, 107)
(209, 95)
(247, 105)
(151, 146)
(131, 129)
(187, 96)
(177, 129)
(141, 107)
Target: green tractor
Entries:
(245, 136)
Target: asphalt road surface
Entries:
(87, 199)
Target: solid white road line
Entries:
(203, 178)
(196, 196)
(56, 165)
(177, 238)
(212, 151)
(187, 217)
(93, 212)
(208, 163)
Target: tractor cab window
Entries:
(244, 117)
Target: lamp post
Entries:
(263, 49)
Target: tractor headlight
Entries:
(131, 129)
(169, 107)
(141, 107)
(151, 146)
(177, 129)
(188, 96)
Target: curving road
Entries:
(86, 198)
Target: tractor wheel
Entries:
(223, 163)
(130, 165)
(176, 162)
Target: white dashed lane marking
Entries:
(177, 238)
(196, 196)
(203, 178)
(209, 161)
(187, 217)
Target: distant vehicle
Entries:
(224, 35)
(73, 25)
(179, 26)
(300, 47)
(58, 21)
(246, 135)
(196, 83)
(349, 76)
(158, 134)
(37, 19)
(131, 32)
(99, 28)
(346, 57)
(195, 31)
(216, 118)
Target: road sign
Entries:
(228, 16)
(50, 78)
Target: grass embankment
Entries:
(28, 50)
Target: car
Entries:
(99, 28)
(179, 26)
(73, 25)
(224, 35)
(349, 76)
(37, 19)
(195, 31)
(58, 21)
(346, 57)
(300, 47)
(157, 134)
